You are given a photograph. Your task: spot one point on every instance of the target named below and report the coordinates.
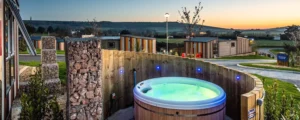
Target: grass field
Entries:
(276, 51)
(297, 69)
(38, 51)
(62, 69)
(271, 43)
(245, 57)
(289, 88)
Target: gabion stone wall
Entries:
(49, 67)
(84, 79)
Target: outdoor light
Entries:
(167, 15)
(157, 67)
(121, 71)
(198, 70)
(238, 77)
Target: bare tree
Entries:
(293, 33)
(95, 26)
(191, 21)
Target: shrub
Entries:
(37, 103)
(277, 108)
(22, 45)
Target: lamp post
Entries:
(167, 33)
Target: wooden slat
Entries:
(184, 67)
(121, 79)
(139, 57)
(145, 64)
(142, 113)
(171, 67)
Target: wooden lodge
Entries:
(213, 47)
(137, 43)
(205, 46)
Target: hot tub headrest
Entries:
(144, 87)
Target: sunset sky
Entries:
(243, 14)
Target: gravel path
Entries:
(292, 77)
(267, 51)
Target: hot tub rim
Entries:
(182, 105)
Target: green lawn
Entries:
(276, 51)
(271, 43)
(62, 69)
(170, 40)
(38, 51)
(270, 67)
(245, 57)
(289, 88)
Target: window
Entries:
(9, 38)
(232, 44)
(215, 48)
(111, 44)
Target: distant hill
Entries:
(158, 27)
(132, 26)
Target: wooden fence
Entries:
(242, 89)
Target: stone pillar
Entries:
(84, 101)
(49, 65)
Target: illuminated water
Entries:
(180, 92)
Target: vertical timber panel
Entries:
(151, 65)
(115, 80)
(171, 67)
(158, 63)
(247, 103)
(121, 79)
(177, 66)
(139, 67)
(110, 73)
(105, 82)
(133, 64)
(164, 65)
(127, 76)
(145, 67)
(184, 66)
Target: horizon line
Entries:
(162, 22)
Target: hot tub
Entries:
(169, 98)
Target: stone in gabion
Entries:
(48, 42)
(48, 56)
(50, 71)
(84, 58)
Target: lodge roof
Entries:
(202, 39)
(137, 37)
